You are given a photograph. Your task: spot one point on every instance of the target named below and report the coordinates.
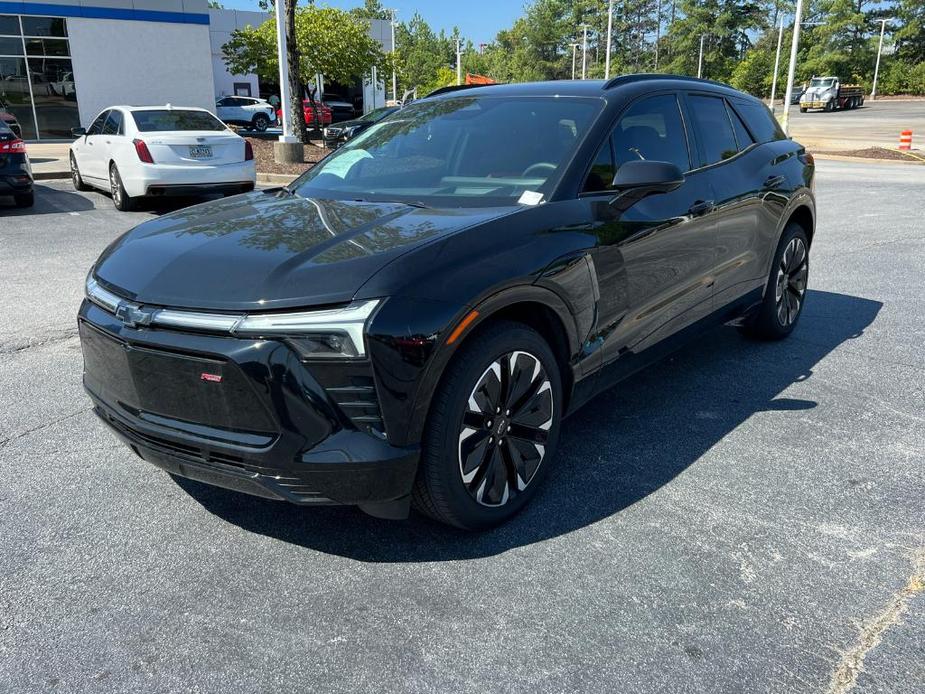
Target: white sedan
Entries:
(134, 152)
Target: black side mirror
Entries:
(78, 132)
(636, 180)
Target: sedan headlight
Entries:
(336, 332)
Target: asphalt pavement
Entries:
(744, 517)
(875, 124)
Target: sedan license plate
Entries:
(200, 152)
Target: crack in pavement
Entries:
(22, 347)
(851, 663)
(16, 437)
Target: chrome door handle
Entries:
(701, 207)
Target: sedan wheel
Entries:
(492, 429)
(120, 198)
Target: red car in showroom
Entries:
(327, 115)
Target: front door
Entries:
(654, 261)
(89, 151)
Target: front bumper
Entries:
(272, 426)
(17, 184)
(813, 104)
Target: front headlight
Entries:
(336, 332)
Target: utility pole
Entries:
(873, 91)
(658, 29)
(458, 64)
(609, 38)
(584, 52)
(700, 59)
(780, 38)
(574, 51)
(791, 70)
(394, 76)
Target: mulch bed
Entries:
(263, 154)
(874, 153)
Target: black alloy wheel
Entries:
(492, 429)
(505, 429)
(785, 293)
(792, 271)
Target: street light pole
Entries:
(791, 70)
(394, 75)
(873, 91)
(780, 38)
(658, 29)
(700, 59)
(458, 64)
(574, 51)
(584, 51)
(609, 37)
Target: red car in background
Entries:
(327, 114)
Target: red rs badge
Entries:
(211, 378)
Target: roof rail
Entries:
(642, 76)
(457, 88)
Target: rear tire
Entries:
(785, 293)
(261, 122)
(76, 178)
(122, 201)
(24, 199)
(492, 430)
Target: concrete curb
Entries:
(278, 179)
(868, 160)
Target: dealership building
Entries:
(63, 61)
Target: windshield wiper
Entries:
(409, 203)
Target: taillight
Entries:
(141, 149)
(11, 146)
(248, 151)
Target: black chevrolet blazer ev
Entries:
(411, 319)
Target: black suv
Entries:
(15, 169)
(411, 319)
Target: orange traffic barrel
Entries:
(905, 140)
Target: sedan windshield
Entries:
(460, 151)
(175, 119)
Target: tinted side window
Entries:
(113, 124)
(97, 127)
(759, 119)
(713, 128)
(600, 177)
(743, 137)
(652, 129)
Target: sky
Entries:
(478, 20)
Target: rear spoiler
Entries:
(457, 88)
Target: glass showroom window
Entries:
(36, 77)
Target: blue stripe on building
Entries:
(47, 10)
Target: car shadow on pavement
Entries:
(47, 201)
(622, 446)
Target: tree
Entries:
(328, 41)
(372, 9)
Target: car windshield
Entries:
(819, 82)
(458, 151)
(175, 119)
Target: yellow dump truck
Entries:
(829, 94)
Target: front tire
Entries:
(122, 201)
(785, 292)
(492, 430)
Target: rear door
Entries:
(178, 137)
(653, 262)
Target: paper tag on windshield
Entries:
(530, 197)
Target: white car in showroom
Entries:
(246, 111)
(134, 152)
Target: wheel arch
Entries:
(803, 216)
(537, 307)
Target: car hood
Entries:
(270, 250)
